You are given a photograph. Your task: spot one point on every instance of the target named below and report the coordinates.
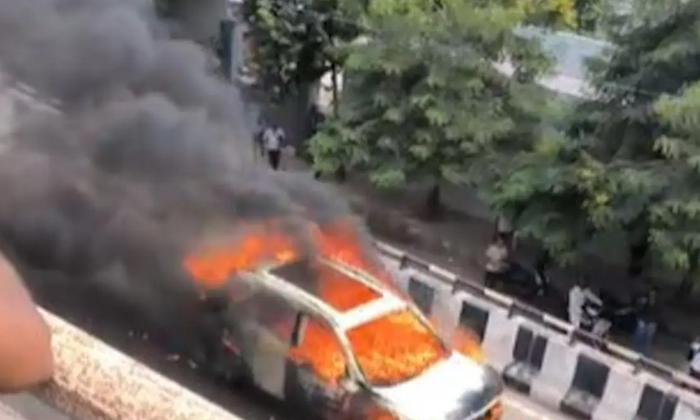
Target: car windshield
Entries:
(327, 283)
(395, 348)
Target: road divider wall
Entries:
(94, 381)
(546, 358)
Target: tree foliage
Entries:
(560, 14)
(628, 162)
(423, 100)
(294, 40)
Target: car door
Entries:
(274, 323)
(318, 369)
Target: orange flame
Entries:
(394, 348)
(388, 350)
(214, 265)
(465, 342)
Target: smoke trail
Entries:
(150, 151)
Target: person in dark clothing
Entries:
(647, 318)
(258, 141)
(212, 327)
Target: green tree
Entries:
(588, 13)
(559, 14)
(627, 162)
(423, 101)
(293, 40)
(675, 218)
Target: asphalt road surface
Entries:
(83, 307)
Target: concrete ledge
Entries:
(8, 413)
(96, 382)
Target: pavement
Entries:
(28, 407)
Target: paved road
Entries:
(30, 408)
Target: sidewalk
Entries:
(457, 242)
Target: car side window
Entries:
(273, 314)
(317, 347)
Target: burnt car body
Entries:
(269, 315)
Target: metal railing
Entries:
(515, 307)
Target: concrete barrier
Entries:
(546, 358)
(93, 381)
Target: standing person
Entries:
(497, 262)
(592, 311)
(258, 142)
(504, 229)
(694, 359)
(647, 317)
(576, 301)
(26, 357)
(273, 138)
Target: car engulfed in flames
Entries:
(328, 330)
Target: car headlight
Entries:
(495, 412)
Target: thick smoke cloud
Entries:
(150, 152)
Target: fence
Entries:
(547, 358)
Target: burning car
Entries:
(330, 335)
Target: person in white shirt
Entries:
(579, 296)
(694, 359)
(497, 262)
(504, 229)
(273, 137)
(577, 299)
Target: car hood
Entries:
(456, 388)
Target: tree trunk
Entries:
(685, 289)
(637, 253)
(334, 85)
(638, 246)
(341, 174)
(432, 205)
(543, 262)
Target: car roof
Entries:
(291, 282)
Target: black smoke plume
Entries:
(149, 152)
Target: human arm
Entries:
(592, 297)
(25, 340)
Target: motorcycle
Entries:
(526, 280)
(595, 319)
(603, 314)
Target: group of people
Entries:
(587, 311)
(502, 268)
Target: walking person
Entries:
(576, 301)
(647, 318)
(258, 142)
(273, 137)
